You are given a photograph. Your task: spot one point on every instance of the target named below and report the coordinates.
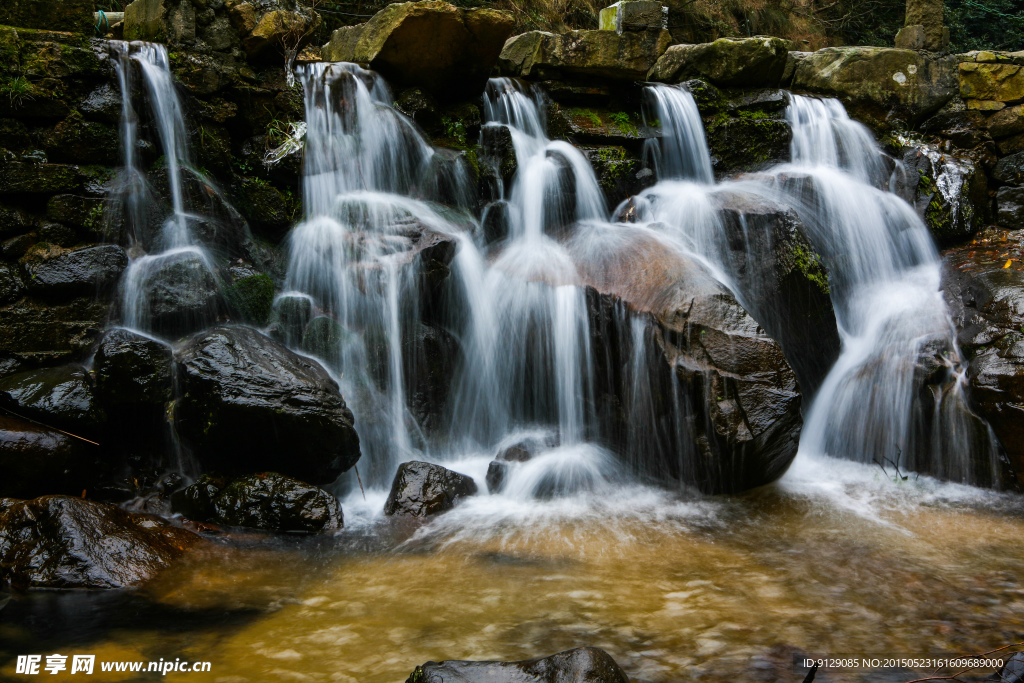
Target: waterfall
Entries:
(174, 246)
(899, 351)
(895, 396)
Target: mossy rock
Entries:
(51, 15)
(747, 143)
(252, 297)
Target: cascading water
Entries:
(895, 395)
(174, 243)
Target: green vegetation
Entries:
(16, 89)
(252, 297)
(808, 263)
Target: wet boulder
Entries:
(430, 355)
(497, 473)
(689, 385)
(949, 191)
(36, 460)
(1010, 170)
(178, 293)
(55, 272)
(62, 396)
(626, 56)
(1010, 207)
(195, 501)
(11, 285)
(249, 402)
(881, 86)
(422, 489)
(65, 542)
(726, 62)
(445, 50)
(276, 503)
(580, 665)
(132, 369)
(33, 330)
(782, 281)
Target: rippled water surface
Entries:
(837, 558)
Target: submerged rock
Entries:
(64, 542)
(720, 406)
(421, 489)
(446, 50)
(497, 473)
(249, 402)
(276, 503)
(580, 665)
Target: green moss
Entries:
(252, 297)
(753, 115)
(808, 263)
(624, 122)
(589, 115)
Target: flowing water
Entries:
(840, 557)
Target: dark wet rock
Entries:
(1010, 211)
(494, 221)
(195, 501)
(276, 503)
(421, 489)
(292, 313)
(421, 107)
(103, 104)
(183, 295)
(1010, 170)
(53, 271)
(64, 542)
(77, 141)
(747, 143)
(323, 337)
(1012, 671)
(605, 55)
(720, 409)
(132, 370)
(36, 460)
(580, 665)
(85, 213)
(497, 473)
(516, 453)
(430, 355)
(61, 396)
(619, 173)
(783, 282)
(446, 50)
(32, 330)
(986, 300)
(249, 402)
(269, 210)
(251, 297)
(497, 159)
(591, 126)
(726, 62)
(11, 285)
(20, 178)
(949, 191)
(965, 129)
